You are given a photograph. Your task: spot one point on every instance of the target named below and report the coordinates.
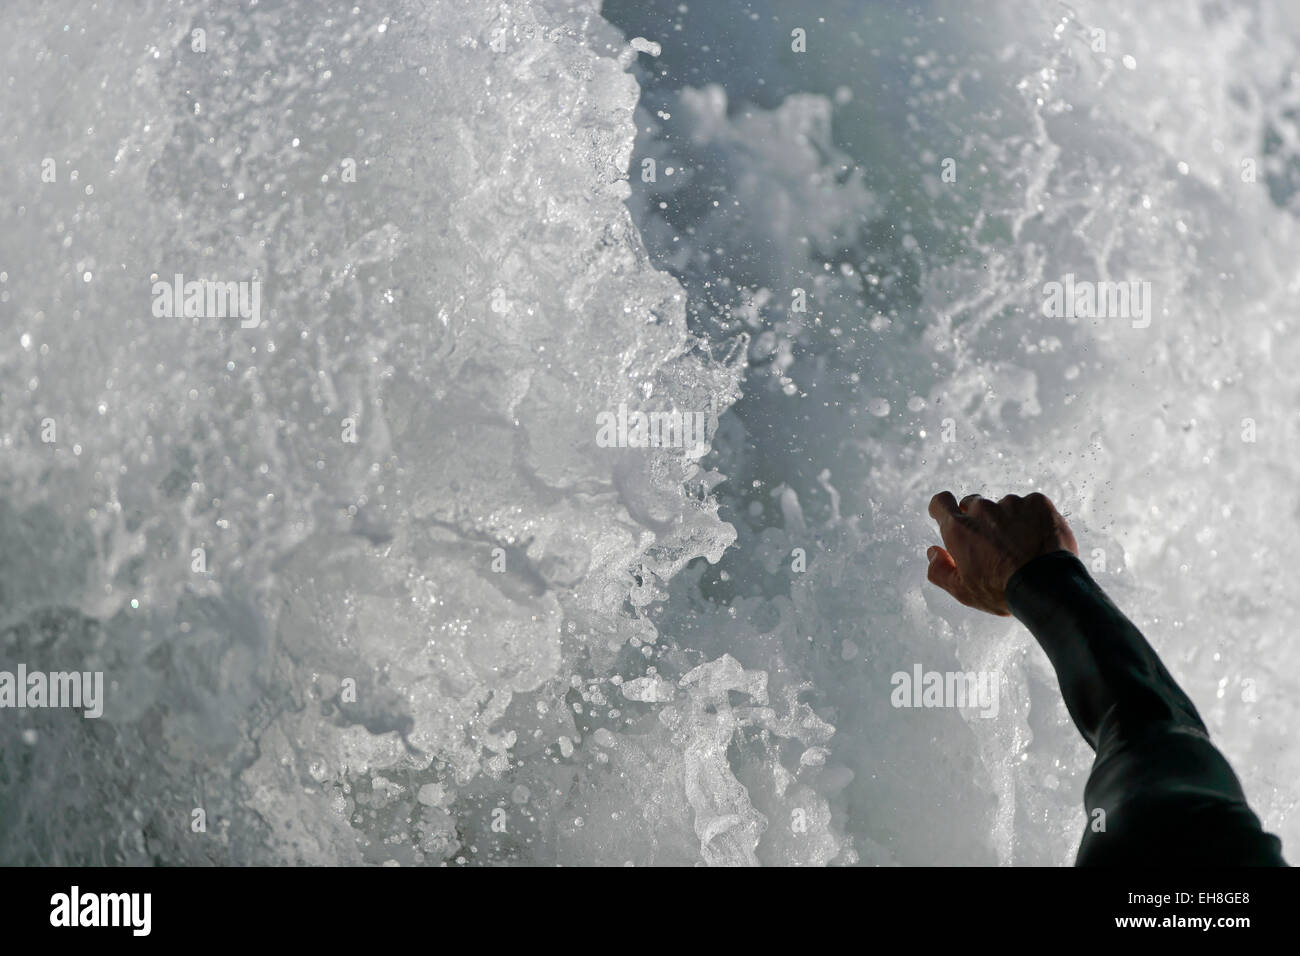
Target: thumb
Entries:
(943, 570)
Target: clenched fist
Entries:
(986, 543)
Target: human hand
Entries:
(985, 543)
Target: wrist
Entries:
(1039, 572)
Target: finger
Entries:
(953, 523)
(1008, 500)
(943, 507)
(969, 502)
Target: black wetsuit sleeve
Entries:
(1160, 790)
(1101, 660)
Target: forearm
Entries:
(1159, 789)
(1102, 661)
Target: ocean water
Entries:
(366, 584)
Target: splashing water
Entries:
(365, 585)
(1098, 141)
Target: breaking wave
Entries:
(363, 583)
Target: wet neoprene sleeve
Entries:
(1160, 790)
(1100, 658)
